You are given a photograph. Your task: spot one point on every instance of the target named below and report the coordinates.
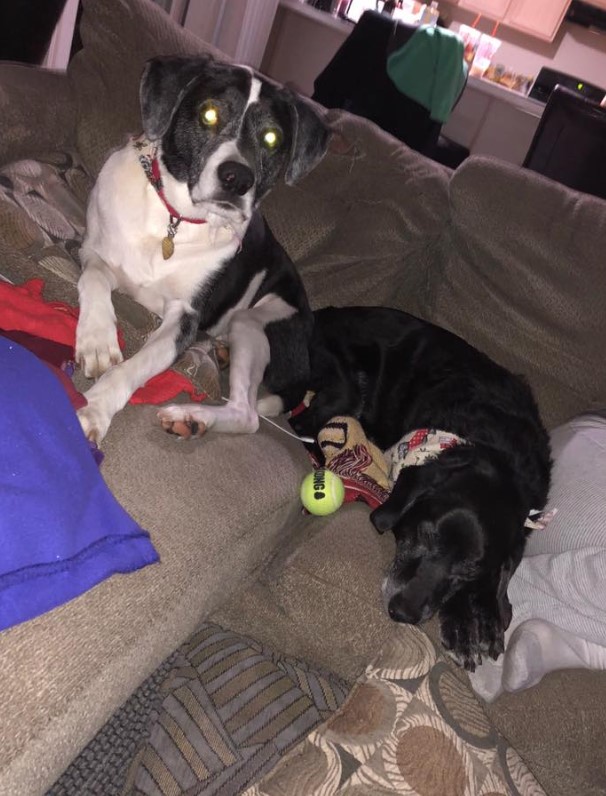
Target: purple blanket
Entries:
(61, 529)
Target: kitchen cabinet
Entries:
(538, 18)
(491, 120)
(495, 9)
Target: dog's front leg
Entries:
(249, 356)
(114, 389)
(97, 346)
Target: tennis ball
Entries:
(322, 492)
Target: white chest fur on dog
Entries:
(172, 221)
(126, 224)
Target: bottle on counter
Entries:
(430, 14)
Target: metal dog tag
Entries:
(168, 247)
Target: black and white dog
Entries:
(459, 517)
(173, 221)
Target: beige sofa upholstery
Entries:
(507, 259)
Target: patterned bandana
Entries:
(417, 447)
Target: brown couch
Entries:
(508, 260)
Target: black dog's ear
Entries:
(409, 486)
(163, 83)
(310, 137)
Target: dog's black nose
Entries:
(400, 612)
(235, 177)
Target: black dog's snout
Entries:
(235, 177)
(399, 611)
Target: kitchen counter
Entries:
(504, 94)
(488, 119)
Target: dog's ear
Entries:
(463, 538)
(409, 486)
(416, 482)
(310, 137)
(163, 83)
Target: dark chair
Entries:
(356, 80)
(569, 144)
(26, 29)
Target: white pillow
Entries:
(558, 593)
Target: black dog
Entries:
(459, 519)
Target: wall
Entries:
(217, 22)
(240, 28)
(60, 45)
(575, 50)
(301, 45)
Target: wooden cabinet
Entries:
(538, 18)
(495, 9)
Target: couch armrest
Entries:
(37, 111)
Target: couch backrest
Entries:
(524, 279)
(365, 226)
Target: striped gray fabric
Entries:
(101, 768)
(231, 709)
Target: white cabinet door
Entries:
(539, 18)
(467, 117)
(494, 9)
(506, 133)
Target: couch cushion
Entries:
(231, 708)
(215, 514)
(364, 226)
(37, 111)
(117, 39)
(322, 601)
(524, 280)
(43, 210)
(409, 726)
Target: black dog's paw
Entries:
(459, 634)
(491, 628)
(472, 628)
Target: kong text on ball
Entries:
(322, 492)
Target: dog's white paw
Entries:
(183, 421)
(95, 421)
(97, 350)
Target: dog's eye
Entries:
(271, 138)
(209, 114)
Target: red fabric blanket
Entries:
(23, 309)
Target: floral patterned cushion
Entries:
(409, 726)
